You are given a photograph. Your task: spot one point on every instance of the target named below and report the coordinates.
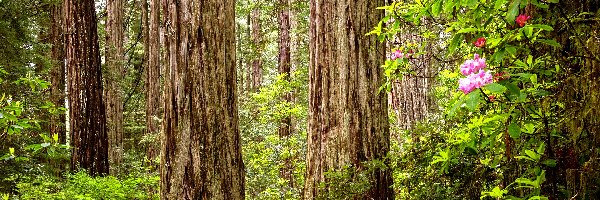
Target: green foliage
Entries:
(265, 153)
(81, 186)
(502, 140)
(345, 183)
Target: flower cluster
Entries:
(522, 19)
(480, 42)
(472, 66)
(477, 77)
(399, 55)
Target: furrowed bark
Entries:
(348, 121)
(89, 141)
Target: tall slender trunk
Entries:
(410, 96)
(153, 106)
(249, 79)
(87, 115)
(57, 73)
(201, 156)
(257, 69)
(113, 92)
(285, 125)
(348, 122)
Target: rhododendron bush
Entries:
(507, 122)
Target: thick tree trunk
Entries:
(285, 125)
(257, 69)
(153, 105)
(348, 122)
(113, 91)
(57, 73)
(89, 141)
(201, 155)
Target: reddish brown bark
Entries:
(201, 156)
(115, 60)
(257, 69)
(89, 141)
(57, 73)
(348, 122)
(153, 100)
(286, 172)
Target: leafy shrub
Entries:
(81, 186)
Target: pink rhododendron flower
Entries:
(477, 77)
(474, 81)
(397, 54)
(480, 42)
(472, 66)
(465, 85)
(522, 19)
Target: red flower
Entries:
(522, 19)
(492, 98)
(480, 42)
(501, 76)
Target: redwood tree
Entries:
(153, 76)
(87, 119)
(284, 63)
(57, 72)
(257, 68)
(201, 156)
(348, 119)
(115, 70)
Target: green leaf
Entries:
(539, 5)
(514, 130)
(11, 150)
(513, 11)
(533, 79)
(541, 26)
(532, 155)
(455, 107)
(541, 148)
(538, 198)
(448, 6)
(512, 50)
(473, 100)
(467, 30)
(499, 55)
(549, 163)
(499, 3)
(528, 128)
(550, 42)
(526, 181)
(436, 8)
(495, 88)
(454, 43)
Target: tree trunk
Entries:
(285, 125)
(249, 77)
(57, 73)
(348, 121)
(113, 91)
(89, 141)
(201, 155)
(410, 96)
(257, 69)
(153, 107)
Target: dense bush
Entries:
(81, 186)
